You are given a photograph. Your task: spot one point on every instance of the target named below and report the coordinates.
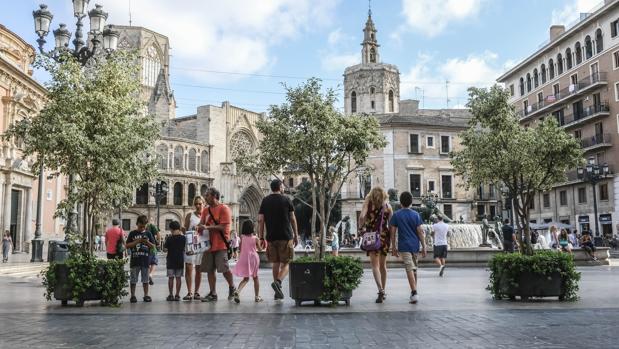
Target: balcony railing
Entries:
(564, 94)
(486, 196)
(574, 119)
(595, 141)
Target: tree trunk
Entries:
(314, 218)
(323, 224)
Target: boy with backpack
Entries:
(175, 261)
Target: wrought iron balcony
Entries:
(596, 142)
(585, 115)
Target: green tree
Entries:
(526, 160)
(94, 128)
(308, 135)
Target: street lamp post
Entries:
(160, 191)
(83, 53)
(593, 173)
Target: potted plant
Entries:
(331, 280)
(543, 274)
(84, 277)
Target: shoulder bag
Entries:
(370, 241)
(221, 233)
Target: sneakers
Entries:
(210, 298)
(147, 299)
(414, 298)
(442, 269)
(277, 287)
(133, 299)
(237, 300)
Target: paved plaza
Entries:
(454, 312)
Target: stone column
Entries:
(6, 217)
(28, 227)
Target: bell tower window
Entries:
(391, 103)
(353, 102)
(372, 55)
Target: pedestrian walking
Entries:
(440, 231)
(509, 237)
(153, 260)
(277, 214)
(114, 241)
(335, 242)
(140, 242)
(175, 245)
(249, 261)
(406, 224)
(374, 217)
(216, 218)
(7, 243)
(193, 275)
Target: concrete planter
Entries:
(533, 285)
(307, 283)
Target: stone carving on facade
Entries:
(240, 144)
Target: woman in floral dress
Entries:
(375, 204)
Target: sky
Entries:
(244, 51)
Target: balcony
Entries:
(587, 114)
(596, 142)
(486, 196)
(572, 91)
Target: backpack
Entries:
(120, 246)
(534, 236)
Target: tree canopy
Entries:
(525, 160)
(308, 135)
(94, 127)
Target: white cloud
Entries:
(231, 35)
(338, 62)
(570, 13)
(427, 78)
(431, 17)
(337, 37)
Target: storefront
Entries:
(583, 223)
(606, 225)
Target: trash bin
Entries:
(57, 251)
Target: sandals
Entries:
(258, 299)
(196, 296)
(177, 298)
(147, 299)
(236, 298)
(133, 299)
(170, 298)
(381, 296)
(188, 297)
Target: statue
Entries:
(485, 230)
(394, 201)
(342, 229)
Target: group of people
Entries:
(560, 240)
(212, 220)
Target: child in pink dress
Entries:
(249, 261)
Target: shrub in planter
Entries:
(342, 275)
(514, 274)
(85, 277)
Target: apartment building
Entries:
(574, 78)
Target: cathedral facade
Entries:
(416, 158)
(195, 151)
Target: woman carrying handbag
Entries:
(374, 232)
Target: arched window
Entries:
(353, 102)
(372, 90)
(179, 153)
(191, 160)
(204, 162)
(551, 69)
(191, 193)
(559, 64)
(568, 58)
(578, 52)
(535, 78)
(162, 156)
(543, 69)
(521, 85)
(151, 66)
(164, 199)
(599, 42)
(372, 98)
(528, 82)
(588, 47)
(391, 105)
(203, 190)
(141, 195)
(178, 193)
(372, 55)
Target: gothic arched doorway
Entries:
(249, 204)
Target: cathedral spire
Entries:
(369, 53)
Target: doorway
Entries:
(15, 227)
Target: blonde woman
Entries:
(375, 205)
(554, 238)
(192, 262)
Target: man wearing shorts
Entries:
(216, 218)
(277, 212)
(439, 232)
(406, 223)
